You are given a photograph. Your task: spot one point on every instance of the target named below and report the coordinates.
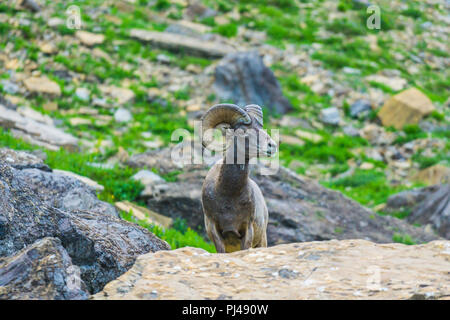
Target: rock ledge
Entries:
(347, 269)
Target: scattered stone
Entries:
(48, 48)
(188, 45)
(50, 106)
(377, 135)
(433, 175)
(9, 86)
(41, 271)
(394, 83)
(360, 108)
(123, 115)
(42, 85)
(308, 136)
(122, 95)
(162, 58)
(55, 22)
(34, 132)
(366, 166)
(153, 144)
(30, 5)
(147, 177)
(244, 79)
(89, 38)
(196, 10)
(351, 131)
(292, 122)
(80, 121)
(99, 53)
(291, 140)
(314, 270)
(330, 116)
(83, 94)
(407, 107)
(144, 214)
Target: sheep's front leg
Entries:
(247, 240)
(211, 230)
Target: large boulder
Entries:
(435, 210)
(349, 269)
(42, 270)
(300, 209)
(407, 107)
(60, 189)
(182, 43)
(34, 130)
(243, 78)
(433, 175)
(102, 245)
(427, 206)
(42, 85)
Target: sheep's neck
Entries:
(233, 178)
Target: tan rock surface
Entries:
(407, 107)
(142, 213)
(89, 38)
(42, 85)
(348, 269)
(433, 175)
(178, 42)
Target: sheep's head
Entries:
(241, 128)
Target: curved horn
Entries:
(223, 113)
(256, 112)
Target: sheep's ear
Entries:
(255, 112)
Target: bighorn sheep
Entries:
(234, 209)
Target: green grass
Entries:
(368, 187)
(178, 236)
(403, 238)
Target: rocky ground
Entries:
(363, 112)
(350, 269)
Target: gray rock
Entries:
(351, 131)
(434, 210)
(197, 10)
(147, 177)
(42, 270)
(35, 205)
(428, 206)
(65, 192)
(9, 86)
(182, 30)
(360, 108)
(22, 160)
(299, 209)
(35, 132)
(31, 5)
(164, 59)
(83, 94)
(330, 116)
(123, 115)
(244, 79)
